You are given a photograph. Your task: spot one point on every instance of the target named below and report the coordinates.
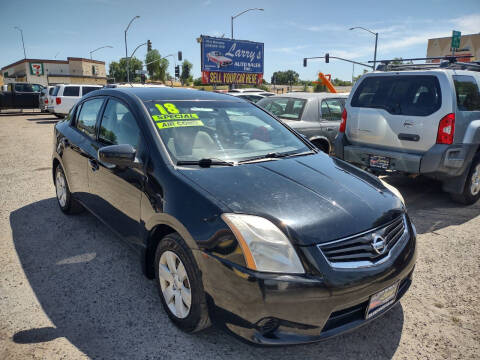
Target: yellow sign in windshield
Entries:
(174, 117)
(174, 124)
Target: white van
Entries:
(67, 95)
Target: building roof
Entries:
(69, 59)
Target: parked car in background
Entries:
(46, 98)
(417, 122)
(315, 115)
(19, 95)
(241, 221)
(67, 95)
(250, 91)
(251, 96)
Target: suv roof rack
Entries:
(445, 62)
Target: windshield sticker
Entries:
(174, 117)
(176, 124)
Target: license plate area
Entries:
(381, 300)
(379, 162)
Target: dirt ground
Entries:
(69, 289)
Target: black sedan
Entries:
(242, 222)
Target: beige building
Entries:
(469, 45)
(49, 72)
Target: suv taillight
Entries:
(58, 100)
(343, 124)
(46, 101)
(446, 129)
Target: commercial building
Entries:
(469, 45)
(49, 72)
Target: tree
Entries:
(157, 67)
(288, 77)
(185, 76)
(118, 70)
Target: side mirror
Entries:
(122, 155)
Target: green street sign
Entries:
(456, 35)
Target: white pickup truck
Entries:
(65, 96)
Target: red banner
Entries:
(216, 77)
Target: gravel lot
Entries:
(69, 289)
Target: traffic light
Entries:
(179, 56)
(149, 45)
(177, 71)
(327, 58)
(304, 62)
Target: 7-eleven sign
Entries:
(36, 69)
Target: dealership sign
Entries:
(217, 77)
(229, 61)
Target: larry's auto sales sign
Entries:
(220, 55)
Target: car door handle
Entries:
(409, 137)
(93, 164)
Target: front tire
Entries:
(64, 197)
(471, 192)
(180, 285)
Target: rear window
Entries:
(418, 95)
(55, 90)
(52, 89)
(87, 89)
(284, 107)
(468, 97)
(71, 91)
(23, 88)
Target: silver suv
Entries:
(417, 122)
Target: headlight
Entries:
(265, 247)
(394, 190)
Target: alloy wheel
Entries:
(175, 284)
(475, 186)
(61, 188)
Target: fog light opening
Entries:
(268, 325)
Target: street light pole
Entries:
(102, 47)
(23, 44)
(376, 42)
(235, 16)
(126, 51)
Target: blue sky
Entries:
(290, 29)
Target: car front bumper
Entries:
(280, 309)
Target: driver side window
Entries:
(118, 125)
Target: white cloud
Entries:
(290, 49)
(469, 24)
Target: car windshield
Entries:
(221, 131)
(284, 107)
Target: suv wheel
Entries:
(180, 284)
(471, 193)
(67, 204)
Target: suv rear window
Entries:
(400, 95)
(71, 91)
(55, 91)
(87, 89)
(468, 97)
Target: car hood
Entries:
(313, 199)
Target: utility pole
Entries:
(23, 44)
(126, 52)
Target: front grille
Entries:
(358, 250)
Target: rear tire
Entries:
(64, 198)
(180, 284)
(471, 192)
